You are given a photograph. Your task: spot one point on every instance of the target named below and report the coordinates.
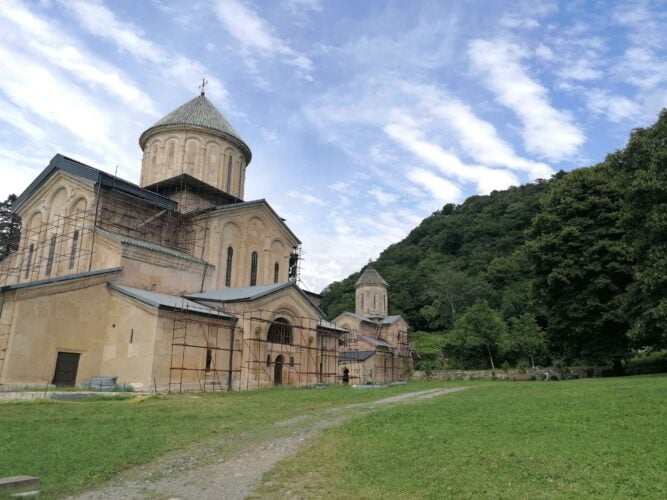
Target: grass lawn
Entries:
(75, 445)
(593, 438)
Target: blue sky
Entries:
(363, 116)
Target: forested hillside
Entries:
(573, 268)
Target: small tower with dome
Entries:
(371, 295)
(197, 141)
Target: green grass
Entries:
(593, 438)
(75, 445)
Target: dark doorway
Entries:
(67, 364)
(278, 370)
(346, 376)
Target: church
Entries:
(177, 283)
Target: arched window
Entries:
(52, 251)
(229, 173)
(75, 243)
(276, 272)
(253, 269)
(209, 359)
(31, 252)
(280, 332)
(228, 271)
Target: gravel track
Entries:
(200, 474)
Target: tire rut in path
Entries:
(237, 476)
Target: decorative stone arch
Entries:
(171, 146)
(279, 257)
(192, 147)
(211, 162)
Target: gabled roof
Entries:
(249, 204)
(331, 326)
(199, 113)
(354, 356)
(390, 320)
(97, 177)
(169, 302)
(375, 342)
(250, 293)
(240, 294)
(370, 277)
(61, 279)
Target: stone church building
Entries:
(173, 284)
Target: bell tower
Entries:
(370, 295)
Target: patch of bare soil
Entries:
(231, 469)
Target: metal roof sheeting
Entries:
(171, 302)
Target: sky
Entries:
(363, 117)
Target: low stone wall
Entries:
(537, 374)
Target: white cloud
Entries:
(581, 70)
(615, 107)
(544, 52)
(382, 196)
(477, 137)
(46, 41)
(305, 197)
(547, 131)
(486, 179)
(99, 21)
(441, 188)
(255, 35)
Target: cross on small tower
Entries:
(202, 87)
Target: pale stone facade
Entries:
(176, 283)
(376, 344)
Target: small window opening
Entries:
(31, 251)
(253, 269)
(209, 359)
(228, 272)
(75, 243)
(52, 251)
(268, 360)
(276, 272)
(131, 335)
(291, 361)
(229, 173)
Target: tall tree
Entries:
(523, 340)
(475, 336)
(643, 169)
(582, 266)
(10, 227)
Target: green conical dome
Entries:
(202, 114)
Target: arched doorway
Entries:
(278, 370)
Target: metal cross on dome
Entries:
(202, 87)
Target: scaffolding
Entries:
(204, 352)
(59, 246)
(259, 350)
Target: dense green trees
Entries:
(574, 267)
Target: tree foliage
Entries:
(10, 227)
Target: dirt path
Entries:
(201, 475)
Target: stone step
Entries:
(13, 482)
